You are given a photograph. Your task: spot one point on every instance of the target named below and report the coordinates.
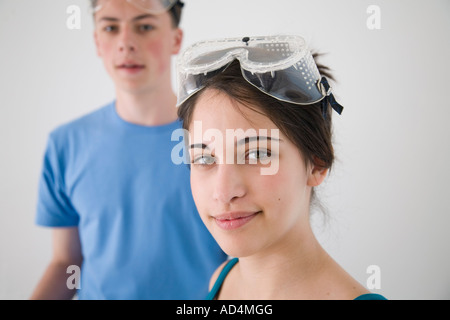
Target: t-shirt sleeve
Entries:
(54, 208)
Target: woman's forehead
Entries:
(216, 109)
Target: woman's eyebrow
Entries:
(255, 138)
(240, 142)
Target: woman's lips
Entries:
(234, 220)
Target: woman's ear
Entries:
(317, 174)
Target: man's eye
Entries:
(145, 27)
(204, 160)
(110, 28)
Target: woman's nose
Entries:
(229, 183)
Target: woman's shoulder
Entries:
(222, 271)
(336, 283)
(216, 273)
(218, 278)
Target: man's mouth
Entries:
(131, 67)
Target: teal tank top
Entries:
(223, 274)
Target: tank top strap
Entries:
(219, 281)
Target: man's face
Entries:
(136, 47)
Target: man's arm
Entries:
(66, 252)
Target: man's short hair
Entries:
(175, 11)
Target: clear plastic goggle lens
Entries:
(280, 66)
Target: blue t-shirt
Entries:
(141, 235)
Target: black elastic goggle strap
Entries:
(329, 99)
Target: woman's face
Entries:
(246, 211)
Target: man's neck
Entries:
(147, 108)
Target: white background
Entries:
(388, 195)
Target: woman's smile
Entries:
(234, 220)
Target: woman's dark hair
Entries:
(305, 126)
(175, 11)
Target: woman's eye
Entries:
(204, 160)
(258, 154)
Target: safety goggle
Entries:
(280, 66)
(154, 7)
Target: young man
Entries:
(120, 208)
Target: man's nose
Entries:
(127, 41)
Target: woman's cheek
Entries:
(200, 194)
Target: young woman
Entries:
(258, 113)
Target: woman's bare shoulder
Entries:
(216, 273)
